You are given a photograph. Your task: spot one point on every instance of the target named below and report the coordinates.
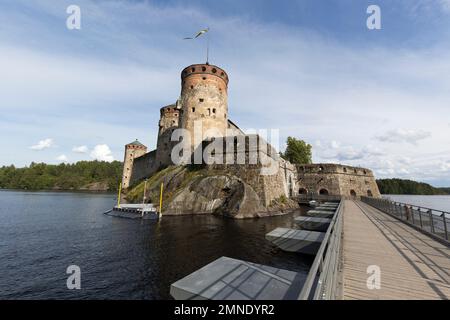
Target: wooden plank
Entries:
(413, 265)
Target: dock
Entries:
(313, 223)
(293, 240)
(233, 279)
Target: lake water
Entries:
(431, 202)
(42, 233)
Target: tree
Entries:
(297, 151)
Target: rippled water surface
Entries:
(41, 233)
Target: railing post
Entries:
(407, 215)
(445, 225)
(430, 212)
(420, 217)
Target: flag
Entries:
(200, 33)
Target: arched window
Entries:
(369, 193)
(353, 193)
(323, 192)
(345, 170)
(302, 191)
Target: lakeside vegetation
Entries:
(401, 186)
(83, 175)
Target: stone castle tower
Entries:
(204, 97)
(168, 122)
(133, 150)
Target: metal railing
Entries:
(435, 222)
(322, 282)
(318, 197)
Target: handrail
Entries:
(320, 197)
(322, 280)
(423, 218)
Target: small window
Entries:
(201, 100)
(214, 70)
(193, 69)
(192, 87)
(222, 74)
(204, 78)
(214, 110)
(193, 109)
(203, 68)
(345, 170)
(355, 171)
(209, 111)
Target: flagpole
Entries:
(207, 48)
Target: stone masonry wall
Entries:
(335, 179)
(143, 166)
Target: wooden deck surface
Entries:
(412, 264)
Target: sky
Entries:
(312, 69)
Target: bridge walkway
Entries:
(412, 264)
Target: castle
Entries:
(204, 100)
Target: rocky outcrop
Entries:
(209, 192)
(218, 194)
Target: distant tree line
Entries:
(41, 176)
(400, 186)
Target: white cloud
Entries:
(403, 135)
(102, 152)
(43, 144)
(62, 158)
(80, 149)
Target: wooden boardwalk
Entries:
(412, 264)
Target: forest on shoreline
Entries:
(106, 176)
(402, 186)
(83, 175)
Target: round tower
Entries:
(133, 150)
(168, 121)
(204, 98)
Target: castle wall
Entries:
(250, 155)
(143, 166)
(335, 179)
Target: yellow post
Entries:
(160, 199)
(118, 196)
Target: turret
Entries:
(133, 150)
(204, 98)
(168, 122)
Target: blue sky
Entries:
(373, 98)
